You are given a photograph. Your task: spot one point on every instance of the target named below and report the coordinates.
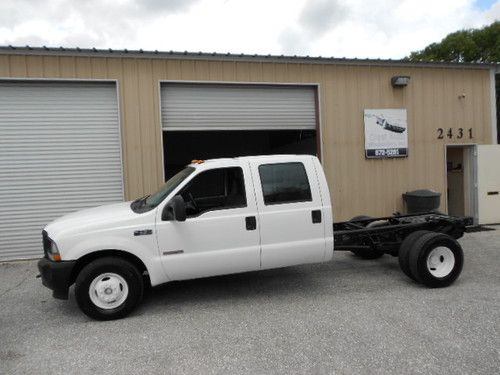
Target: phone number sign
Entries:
(387, 153)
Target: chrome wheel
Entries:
(440, 262)
(108, 291)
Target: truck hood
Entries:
(91, 219)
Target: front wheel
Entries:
(108, 288)
(436, 260)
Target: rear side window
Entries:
(284, 183)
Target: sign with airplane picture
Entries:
(386, 133)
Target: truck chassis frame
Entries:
(385, 234)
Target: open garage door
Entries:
(60, 151)
(202, 121)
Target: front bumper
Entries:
(57, 276)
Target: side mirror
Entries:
(175, 210)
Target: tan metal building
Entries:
(132, 117)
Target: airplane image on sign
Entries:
(392, 128)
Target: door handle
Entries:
(316, 216)
(251, 223)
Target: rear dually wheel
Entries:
(404, 251)
(436, 260)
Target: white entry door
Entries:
(488, 184)
(220, 234)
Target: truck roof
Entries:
(223, 161)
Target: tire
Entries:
(404, 252)
(436, 260)
(373, 254)
(116, 287)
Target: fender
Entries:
(143, 247)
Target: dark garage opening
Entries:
(180, 147)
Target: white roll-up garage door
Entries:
(237, 107)
(60, 151)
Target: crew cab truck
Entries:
(226, 216)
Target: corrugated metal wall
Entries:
(358, 185)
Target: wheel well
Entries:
(86, 259)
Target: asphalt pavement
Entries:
(345, 316)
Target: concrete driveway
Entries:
(346, 316)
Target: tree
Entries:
(472, 45)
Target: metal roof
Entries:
(94, 52)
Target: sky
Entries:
(338, 28)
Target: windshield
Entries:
(151, 201)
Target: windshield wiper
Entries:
(143, 200)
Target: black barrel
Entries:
(422, 201)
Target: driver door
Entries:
(220, 235)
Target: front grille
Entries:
(46, 244)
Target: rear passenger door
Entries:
(289, 209)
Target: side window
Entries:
(215, 189)
(284, 183)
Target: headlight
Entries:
(53, 252)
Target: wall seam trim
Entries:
(493, 98)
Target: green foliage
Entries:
(482, 45)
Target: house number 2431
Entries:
(454, 133)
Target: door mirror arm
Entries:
(175, 210)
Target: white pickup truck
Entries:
(227, 216)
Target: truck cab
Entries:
(214, 217)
